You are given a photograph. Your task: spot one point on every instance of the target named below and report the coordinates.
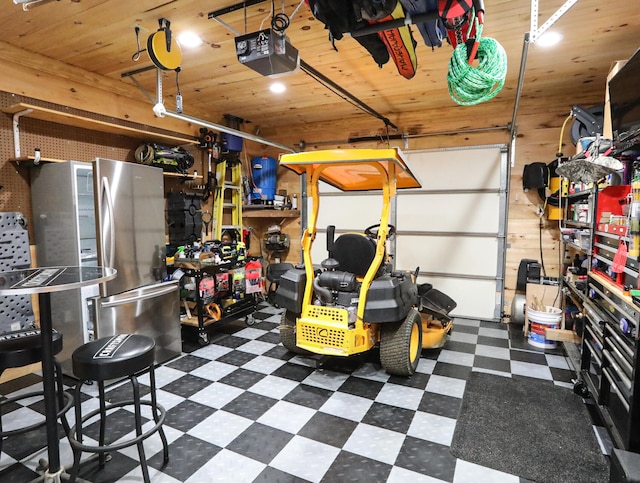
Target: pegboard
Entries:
(16, 311)
(56, 141)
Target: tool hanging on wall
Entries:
(207, 141)
(176, 159)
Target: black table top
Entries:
(52, 279)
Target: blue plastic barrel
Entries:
(265, 176)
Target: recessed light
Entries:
(189, 39)
(277, 88)
(549, 39)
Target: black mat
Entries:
(528, 428)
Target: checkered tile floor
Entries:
(244, 409)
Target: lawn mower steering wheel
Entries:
(372, 231)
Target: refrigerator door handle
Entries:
(106, 192)
(151, 291)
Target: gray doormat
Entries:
(528, 428)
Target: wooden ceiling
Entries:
(98, 37)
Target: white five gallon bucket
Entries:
(539, 321)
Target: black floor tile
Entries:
(328, 429)
(295, 372)
(250, 405)
(231, 341)
(260, 442)
(118, 423)
(187, 363)
(352, 467)
(418, 380)
(113, 470)
(186, 456)
(241, 378)
(186, 385)
(308, 396)
(466, 329)
(492, 363)
(454, 345)
(270, 337)
(124, 392)
(389, 417)
(562, 375)
(440, 404)
(427, 458)
(187, 414)
(237, 358)
(525, 356)
(361, 387)
(279, 352)
(272, 475)
(452, 370)
(17, 473)
(493, 341)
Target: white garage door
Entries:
(453, 228)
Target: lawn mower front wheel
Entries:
(401, 345)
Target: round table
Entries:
(43, 281)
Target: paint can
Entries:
(540, 321)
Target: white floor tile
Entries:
(432, 427)
(459, 358)
(214, 370)
(448, 386)
(249, 333)
(464, 337)
(263, 365)
(376, 443)
(220, 428)
(273, 387)
(559, 362)
(326, 379)
(426, 366)
(531, 370)
(305, 458)
(400, 475)
(466, 472)
(256, 347)
(495, 352)
(287, 416)
(347, 406)
(217, 469)
(400, 396)
(216, 395)
(495, 333)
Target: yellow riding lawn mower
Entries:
(354, 300)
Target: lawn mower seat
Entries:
(354, 253)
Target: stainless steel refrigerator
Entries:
(108, 213)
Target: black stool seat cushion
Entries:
(24, 347)
(113, 357)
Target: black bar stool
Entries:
(123, 355)
(19, 349)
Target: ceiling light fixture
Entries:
(549, 39)
(189, 39)
(277, 88)
(26, 3)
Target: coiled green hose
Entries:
(469, 85)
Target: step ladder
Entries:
(227, 207)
